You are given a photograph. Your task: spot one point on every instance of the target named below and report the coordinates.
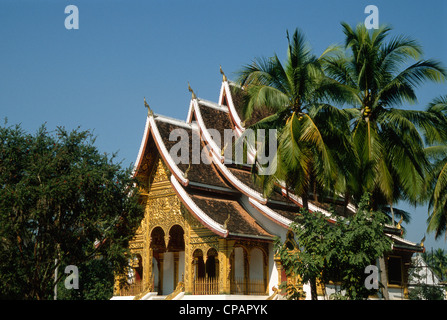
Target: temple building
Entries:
(208, 229)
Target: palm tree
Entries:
(376, 77)
(437, 177)
(308, 130)
(437, 261)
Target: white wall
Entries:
(168, 273)
(238, 263)
(256, 264)
(155, 272)
(272, 271)
(269, 225)
(181, 265)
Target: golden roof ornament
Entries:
(225, 225)
(222, 152)
(422, 241)
(192, 92)
(185, 175)
(400, 222)
(224, 77)
(149, 110)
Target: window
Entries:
(395, 270)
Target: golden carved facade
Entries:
(163, 211)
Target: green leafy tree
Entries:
(61, 202)
(337, 252)
(97, 282)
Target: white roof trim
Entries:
(173, 121)
(239, 128)
(270, 213)
(142, 146)
(218, 160)
(394, 237)
(235, 181)
(190, 111)
(214, 105)
(231, 108)
(164, 152)
(202, 216)
(312, 207)
(214, 147)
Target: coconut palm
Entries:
(308, 130)
(437, 261)
(437, 177)
(377, 76)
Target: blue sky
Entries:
(96, 77)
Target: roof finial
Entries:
(185, 174)
(399, 224)
(224, 77)
(222, 152)
(422, 241)
(149, 110)
(192, 91)
(225, 225)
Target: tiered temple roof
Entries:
(220, 194)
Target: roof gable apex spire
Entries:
(224, 77)
(149, 110)
(193, 95)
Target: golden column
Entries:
(225, 250)
(148, 270)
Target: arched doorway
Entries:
(206, 272)
(168, 258)
(248, 270)
(158, 248)
(175, 255)
(257, 272)
(212, 264)
(199, 264)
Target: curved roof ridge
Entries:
(218, 160)
(225, 91)
(163, 150)
(204, 130)
(271, 214)
(196, 211)
(214, 105)
(173, 121)
(142, 147)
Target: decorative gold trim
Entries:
(150, 113)
(193, 95)
(224, 77)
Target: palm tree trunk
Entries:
(313, 289)
(305, 199)
(346, 202)
(383, 278)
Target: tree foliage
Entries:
(337, 252)
(311, 134)
(379, 76)
(61, 200)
